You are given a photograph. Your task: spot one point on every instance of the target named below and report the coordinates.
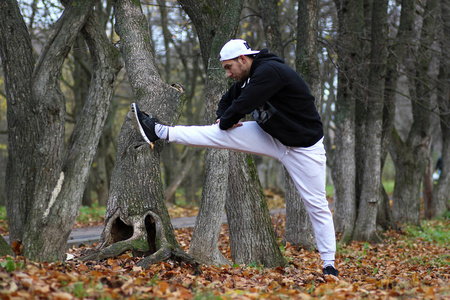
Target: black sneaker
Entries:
(145, 124)
(330, 270)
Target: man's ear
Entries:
(243, 59)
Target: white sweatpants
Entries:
(306, 167)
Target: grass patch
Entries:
(389, 186)
(2, 213)
(3, 220)
(433, 231)
(89, 214)
(329, 189)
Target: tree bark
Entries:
(83, 141)
(371, 178)
(399, 51)
(344, 165)
(306, 59)
(410, 161)
(441, 198)
(406, 203)
(252, 237)
(5, 249)
(81, 72)
(18, 63)
(299, 231)
(271, 25)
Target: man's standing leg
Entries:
(306, 167)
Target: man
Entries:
(287, 127)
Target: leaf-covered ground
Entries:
(409, 265)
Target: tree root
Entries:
(167, 253)
(144, 236)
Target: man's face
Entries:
(238, 68)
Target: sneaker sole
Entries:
(137, 124)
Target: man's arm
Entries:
(265, 83)
(227, 99)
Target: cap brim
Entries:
(252, 52)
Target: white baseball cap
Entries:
(235, 48)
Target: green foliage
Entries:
(206, 296)
(329, 189)
(79, 290)
(433, 231)
(10, 265)
(153, 281)
(3, 220)
(2, 213)
(432, 261)
(94, 213)
(2, 103)
(256, 266)
(87, 215)
(389, 186)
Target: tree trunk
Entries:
(209, 219)
(81, 72)
(427, 185)
(299, 230)
(361, 71)
(49, 192)
(306, 59)
(214, 28)
(167, 38)
(441, 194)
(371, 178)
(344, 165)
(406, 204)
(411, 160)
(136, 217)
(18, 64)
(252, 237)
(5, 249)
(81, 146)
(269, 14)
(399, 51)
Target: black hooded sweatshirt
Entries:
(293, 120)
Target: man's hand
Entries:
(238, 124)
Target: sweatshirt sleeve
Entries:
(227, 99)
(264, 83)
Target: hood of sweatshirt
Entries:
(263, 56)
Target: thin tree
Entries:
(350, 24)
(371, 178)
(399, 51)
(410, 154)
(441, 198)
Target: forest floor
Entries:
(412, 263)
